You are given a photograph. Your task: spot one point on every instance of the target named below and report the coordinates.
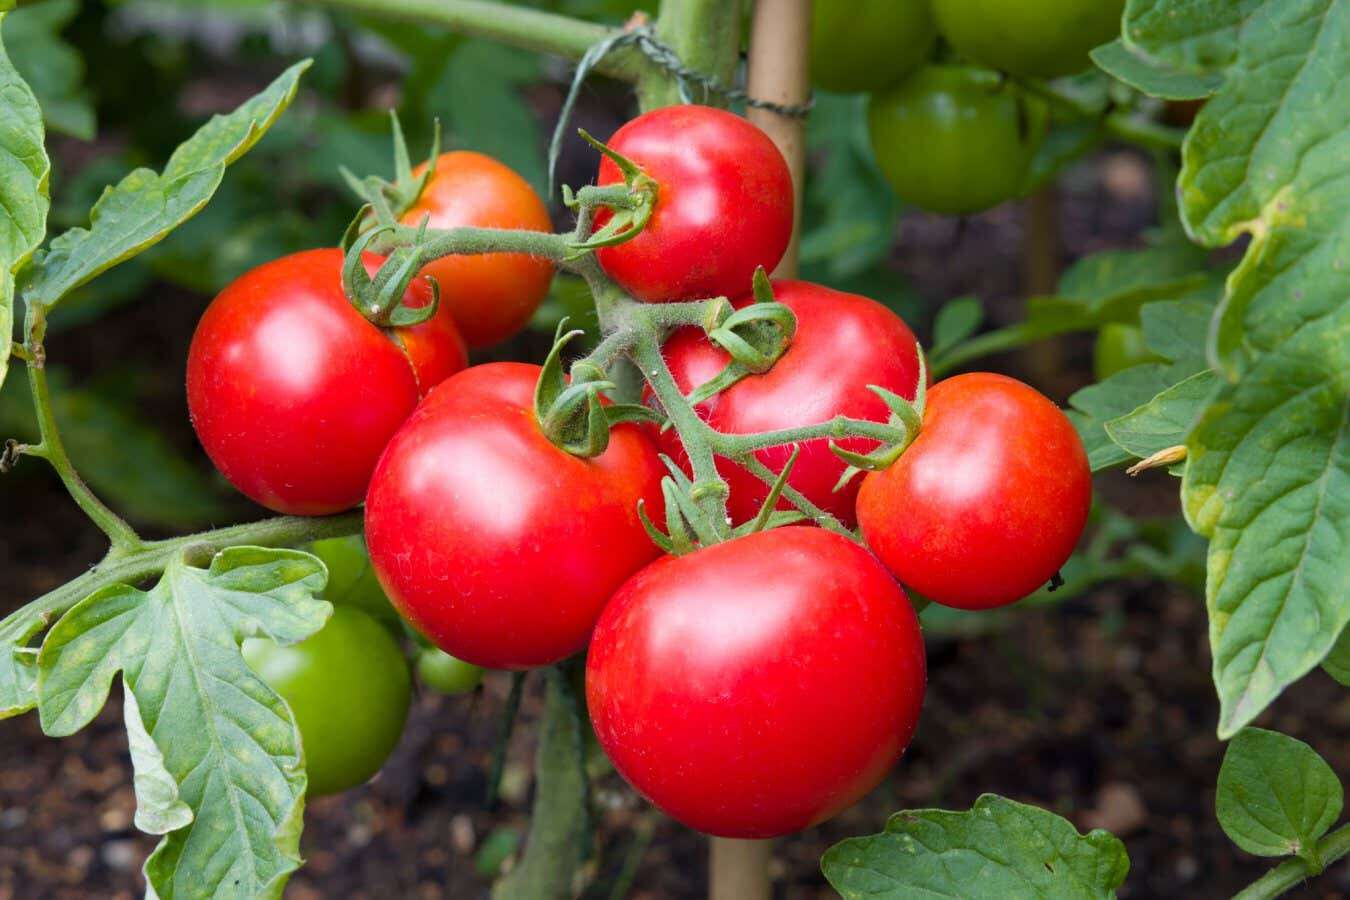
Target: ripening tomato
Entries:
(844, 342)
(867, 45)
(955, 139)
(1045, 38)
(757, 687)
(351, 578)
(348, 687)
(490, 295)
(723, 207)
(445, 674)
(294, 393)
(495, 544)
(988, 502)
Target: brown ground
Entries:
(1101, 710)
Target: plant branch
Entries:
(151, 557)
(1290, 872)
(50, 447)
(751, 464)
(508, 23)
(838, 428)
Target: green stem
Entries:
(706, 36)
(1118, 124)
(151, 557)
(1289, 873)
(50, 447)
(751, 464)
(838, 428)
(997, 341)
(528, 29)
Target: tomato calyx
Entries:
(906, 418)
(386, 201)
(383, 300)
(754, 336)
(630, 202)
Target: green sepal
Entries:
(632, 209)
(381, 300)
(571, 415)
(766, 509)
(757, 335)
(658, 536)
(618, 413)
(907, 419)
(390, 199)
(687, 525)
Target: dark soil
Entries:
(1101, 709)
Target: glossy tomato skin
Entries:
(491, 296)
(348, 686)
(867, 45)
(988, 502)
(293, 393)
(496, 545)
(844, 342)
(955, 139)
(757, 687)
(1045, 38)
(724, 204)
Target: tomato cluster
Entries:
(749, 686)
(955, 136)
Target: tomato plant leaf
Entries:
(1268, 482)
(18, 662)
(1152, 76)
(225, 778)
(24, 173)
(1177, 329)
(956, 321)
(997, 849)
(1166, 420)
(145, 206)
(51, 67)
(1187, 35)
(1117, 282)
(1268, 471)
(1117, 396)
(1276, 796)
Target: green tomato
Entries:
(444, 673)
(867, 45)
(955, 139)
(351, 578)
(1119, 346)
(348, 687)
(1045, 38)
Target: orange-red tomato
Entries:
(491, 296)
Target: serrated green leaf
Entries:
(1276, 796)
(1164, 421)
(956, 321)
(18, 662)
(51, 67)
(1337, 663)
(1268, 482)
(159, 806)
(998, 849)
(1116, 282)
(222, 736)
(145, 206)
(1152, 76)
(1177, 329)
(1119, 395)
(1192, 36)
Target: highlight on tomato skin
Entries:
(989, 500)
(293, 393)
(724, 204)
(757, 687)
(843, 343)
(496, 545)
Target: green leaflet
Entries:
(1164, 421)
(1276, 796)
(218, 763)
(1268, 468)
(24, 172)
(1151, 76)
(998, 849)
(145, 206)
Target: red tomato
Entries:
(495, 544)
(988, 502)
(757, 687)
(844, 342)
(723, 205)
(294, 394)
(492, 295)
